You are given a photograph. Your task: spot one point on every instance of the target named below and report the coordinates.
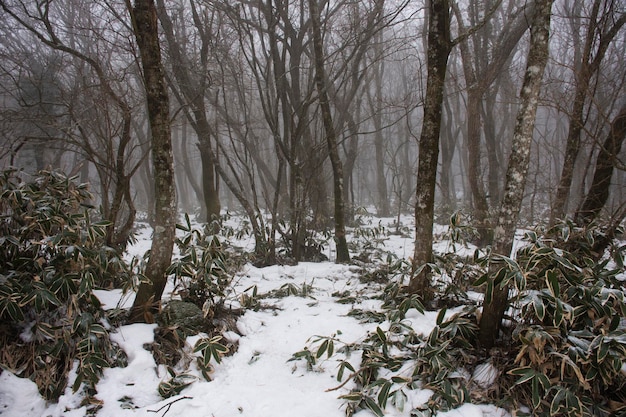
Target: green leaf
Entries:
(371, 404)
(558, 313)
(525, 373)
(557, 401)
(399, 399)
(381, 335)
(441, 316)
(539, 307)
(488, 293)
(602, 351)
(552, 280)
(322, 349)
(342, 367)
(353, 396)
(499, 278)
(383, 395)
(12, 308)
(536, 395)
(481, 280)
(78, 381)
(97, 329)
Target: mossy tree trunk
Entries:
(147, 301)
(439, 47)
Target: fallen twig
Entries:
(169, 405)
(347, 380)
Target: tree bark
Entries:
(331, 136)
(148, 297)
(504, 233)
(589, 65)
(598, 193)
(439, 47)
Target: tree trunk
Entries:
(448, 139)
(598, 193)
(439, 47)
(479, 197)
(480, 73)
(209, 182)
(148, 298)
(382, 201)
(351, 152)
(589, 65)
(504, 233)
(193, 92)
(331, 137)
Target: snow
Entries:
(485, 374)
(19, 397)
(258, 380)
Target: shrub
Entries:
(570, 344)
(200, 271)
(53, 256)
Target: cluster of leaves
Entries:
(398, 360)
(53, 257)
(368, 238)
(200, 271)
(176, 383)
(454, 274)
(200, 274)
(569, 344)
(388, 269)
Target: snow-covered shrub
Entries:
(561, 353)
(570, 343)
(52, 257)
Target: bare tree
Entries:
(481, 70)
(602, 28)
(495, 305)
(440, 44)
(109, 149)
(192, 86)
(331, 136)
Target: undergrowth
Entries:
(53, 257)
(561, 352)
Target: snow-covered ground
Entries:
(258, 380)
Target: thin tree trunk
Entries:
(148, 297)
(448, 140)
(504, 233)
(479, 197)
(439, 47)
(598, 193)
(382, 202)
(331, 137)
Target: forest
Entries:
(451, 162)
